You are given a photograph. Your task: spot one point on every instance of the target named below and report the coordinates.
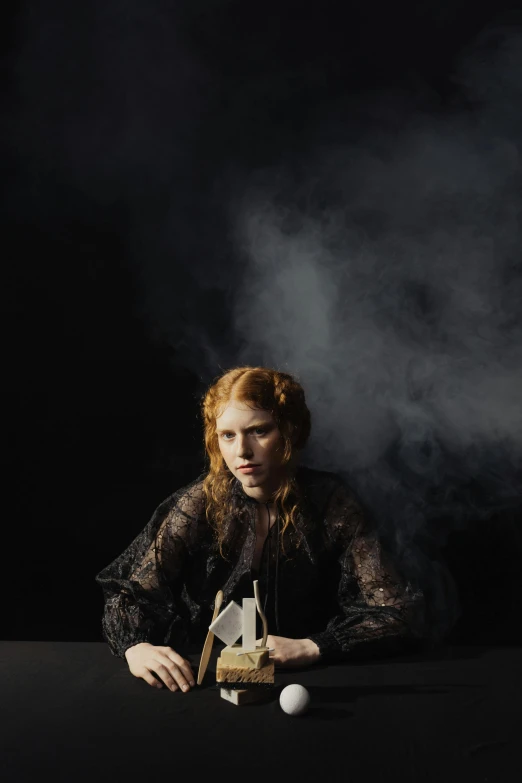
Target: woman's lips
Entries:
(250, 469)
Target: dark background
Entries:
(101, 417)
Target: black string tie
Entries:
(268, 570)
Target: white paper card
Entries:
(228, 625)
(249, 624)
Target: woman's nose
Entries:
(242, 447)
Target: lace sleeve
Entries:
(142, 587)
(379, 612)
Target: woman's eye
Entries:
(224, 435)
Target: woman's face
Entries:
(251, 435)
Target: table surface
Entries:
(73, 711)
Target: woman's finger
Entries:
(171, 675)
(183, 665)
(151, 679)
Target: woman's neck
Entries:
(260, 494)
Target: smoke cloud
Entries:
(378, 259)
(386, 275)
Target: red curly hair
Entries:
(270, 390)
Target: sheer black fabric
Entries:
(336, 585)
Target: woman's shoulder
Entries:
(327, 488)
(318, 485)
(189, 498)
(319, 480)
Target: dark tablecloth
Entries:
(71, 711)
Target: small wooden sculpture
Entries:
(244, 672)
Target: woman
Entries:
(330, 592)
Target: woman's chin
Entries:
(249, 478)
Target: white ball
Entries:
(294, 699)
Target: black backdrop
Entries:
(101, 419)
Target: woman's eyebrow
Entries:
(250, 427)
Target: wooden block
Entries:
(239, 697)
(241, 674)
(254, 660)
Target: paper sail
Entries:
(228, 626)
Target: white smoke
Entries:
(396, 298)
(381, 264)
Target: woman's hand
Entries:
(146, 659)
(291, 652)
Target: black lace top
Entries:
(335, 585)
